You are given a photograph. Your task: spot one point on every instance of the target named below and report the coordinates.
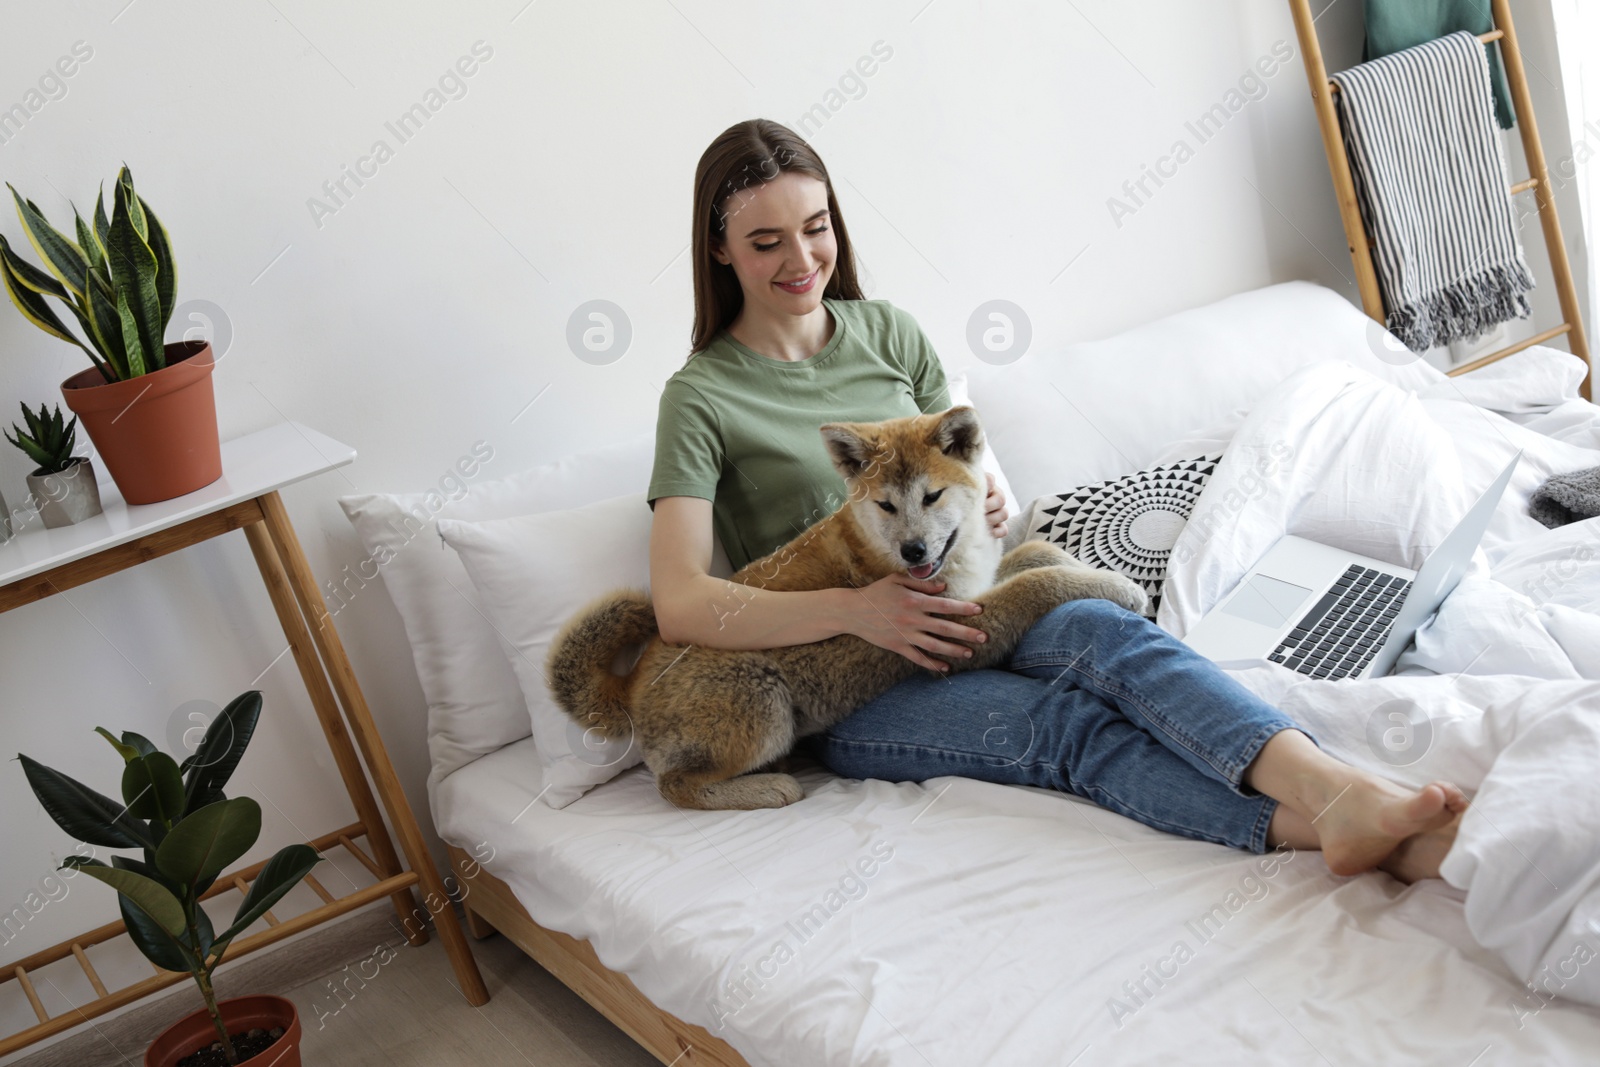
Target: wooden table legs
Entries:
(344, 754)
(297, 571)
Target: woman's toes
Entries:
(1455, 799)
(1424, 808)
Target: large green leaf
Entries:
(207, 840)
(155, 899)
(65, 259)
(135, 205)
(34, 307)
(89, 241)
(281, 874)
(106, 325)
(132, 342)
(153, 787)
(166, 268)
(102, 224)
(133, 271)
(29, 275)
(83, 813)
(202, 921)
(139, 743)
(159, 947)
(220, 750)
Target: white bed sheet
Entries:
(957, 922)
(1007, 925)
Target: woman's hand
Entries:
(900, 613)
(994, 508)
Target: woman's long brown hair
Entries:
(747, 155)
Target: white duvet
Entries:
(1501, 692)
(958, 923)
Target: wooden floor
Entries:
(398, 1006)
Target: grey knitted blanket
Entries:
(1431, 179)
(1567, 498)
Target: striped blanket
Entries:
(1431, 179)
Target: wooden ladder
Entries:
(1350, 211)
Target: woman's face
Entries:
(779, 240)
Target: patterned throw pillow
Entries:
(1127, 524)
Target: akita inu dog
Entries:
(705, 718)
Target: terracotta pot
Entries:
(158, 432)
(68, 496)
(194, 1032)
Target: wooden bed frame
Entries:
(491, 905)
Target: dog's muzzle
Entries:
(923, 571)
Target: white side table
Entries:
(38, 563)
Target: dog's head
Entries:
(916, 484)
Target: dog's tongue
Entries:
(921, 571)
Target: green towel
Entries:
(1395, 25)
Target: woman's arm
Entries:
(694, 608)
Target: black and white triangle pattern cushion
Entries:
(1127, 524)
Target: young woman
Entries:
(1095, 700)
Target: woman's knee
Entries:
(1095, 616)
(1083, 624)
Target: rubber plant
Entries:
(118, 279)
(188, 832)
(46, 440)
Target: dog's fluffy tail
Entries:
(579, 665)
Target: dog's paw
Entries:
(1130, 594)
(751, 791)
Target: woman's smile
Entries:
(799, 285)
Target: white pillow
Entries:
(1096, 410)
(474, 702)
(533, 573)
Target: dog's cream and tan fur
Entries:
(706, 718)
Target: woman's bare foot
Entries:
(1420, 855)
(1369, 820)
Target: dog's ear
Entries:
(849, 451)
(957, 434)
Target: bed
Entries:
(960, 922)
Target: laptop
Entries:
(1329, 613)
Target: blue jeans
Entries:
(1095, 700)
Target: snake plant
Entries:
(189, 833)
(118, 279)
(46, 441)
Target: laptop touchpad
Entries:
(1268, 601)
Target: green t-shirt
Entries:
(740, 429)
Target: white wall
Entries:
(431, 308)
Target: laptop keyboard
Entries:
(1339, 636)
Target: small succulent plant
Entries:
(46, 441)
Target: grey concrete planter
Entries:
(5, 521)
(68, 497)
